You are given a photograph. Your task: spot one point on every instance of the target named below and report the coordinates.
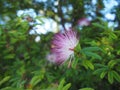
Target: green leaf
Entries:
(0, 31)
(112, 63)
(94, 55)
(36, 79)
(98, 25)
(91, 49)
(110, 77)
(61, 84)
(116, 76)
(78, 47)
(4, 80)
(100, 65)
(62, 87)
(11, 88)
(113, 36)
(39, 75)
(74, 63)
(98, 71)
(102, 75)
(86, 89)
(118, 52)
(66, 87)
(9, 56)
(88, 64)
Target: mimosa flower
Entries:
(51, 57)
(63, 45)
(83, 22)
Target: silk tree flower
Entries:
(51, 58)
(63, 45)
(83, 22)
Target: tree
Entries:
(96, 63)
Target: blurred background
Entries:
(26, 31)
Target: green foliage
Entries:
(88, 51)
(87, 64)
(75, 61)
(23, 64)
(62, 87)
(39, 75)
(86, 89)
(4, 80)
(108, 70)
(10, 88)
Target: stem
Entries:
(69, 64)
(77, 53)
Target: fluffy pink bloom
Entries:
(83, 22)
(63, 45)
(51, 57)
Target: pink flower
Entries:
(51, 57)
(83, 22)
(63, 45)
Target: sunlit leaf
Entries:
(5, 79)
(67, 86)
(102, 75)
(112, 63)
(62, 82)
(116, 76)
(86, 89)
(88, 64)
(110, 77)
